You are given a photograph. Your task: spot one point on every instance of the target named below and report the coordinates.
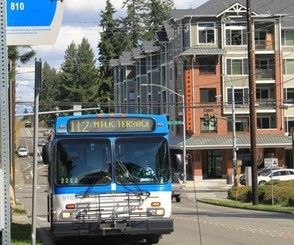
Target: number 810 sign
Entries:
(31, 22)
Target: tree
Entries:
(109, 48)
(23, 56)
(133, 23)
(49, 93)
(79, 79)
(143, 18)
(156, 12)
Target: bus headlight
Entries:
(155, 212)
(66, 215)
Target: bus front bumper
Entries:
(137, 227)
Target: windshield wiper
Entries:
(94, 177)
(131, 178)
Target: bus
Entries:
(110, 175)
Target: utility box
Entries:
(248, 176)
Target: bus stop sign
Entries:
(33, 22)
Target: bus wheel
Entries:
(153, 239)
(58, 240)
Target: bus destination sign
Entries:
(121, 124)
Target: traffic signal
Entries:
(213, 120)
(206, 119)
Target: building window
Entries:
(288, 37)
(263, 122)
(289, 94)
(207, 95)
(262, 64)
(262, 94)
(288, 66)
(264, 68)
(241, 96)
(236, 34)
(206, 33)
(237, 66)
(241, 124)
(260, 37)
(289, 124)
(207, 65)
(211, 128)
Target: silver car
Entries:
(177, 190)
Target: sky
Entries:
(80, 20)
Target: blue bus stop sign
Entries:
(33, 22)
(30, 12)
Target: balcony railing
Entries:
(264, 45)
(265, 74)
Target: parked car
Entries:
(177, 190)
(280, 174)
(41, 142)
(47, 132)
(22, 152)
(260, 171)
(28, 124)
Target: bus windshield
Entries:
(140, 160)
(83, 161)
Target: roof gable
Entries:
(236, 9)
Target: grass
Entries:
(260, 207)
(21, 232)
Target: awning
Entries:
(202, 51)
(226, 142)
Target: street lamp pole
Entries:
(234, 131)
(182, 96)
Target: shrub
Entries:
(283, 196)
(283, 193)
(242, 194)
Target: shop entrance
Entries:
(214, 164)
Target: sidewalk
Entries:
(215, 184)
(203, 189)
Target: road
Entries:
(195, 223)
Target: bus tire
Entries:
(153, 239)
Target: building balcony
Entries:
(265, 45)
(265, 74)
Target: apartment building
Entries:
(196, 72)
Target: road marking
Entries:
(257, 231)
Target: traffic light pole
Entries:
(234, 134)
(234, 131)
(182, 96)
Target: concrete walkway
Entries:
(212, 189)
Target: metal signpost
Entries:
(4, 124)
(25, 22)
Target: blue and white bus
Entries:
(110, 174)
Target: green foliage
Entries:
(21, 234)
(156, 12)
(242, 194)
(49, 94)
(282, 191)
(79, 78)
